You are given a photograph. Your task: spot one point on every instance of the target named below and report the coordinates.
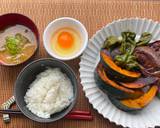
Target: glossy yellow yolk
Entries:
(65, 40)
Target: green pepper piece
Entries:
(121, 59)
(130, 58)
(144, 39)
(110, 41)
(129, 48)
(132, 65)
(123, 47)
(126, 61)
(128, 42)
(127, 36)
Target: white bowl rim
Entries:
(79, 52)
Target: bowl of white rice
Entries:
(46, 90)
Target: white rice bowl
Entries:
(49, 93)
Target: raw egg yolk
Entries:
(65, 40)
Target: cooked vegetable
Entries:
(125, 58)
(144, 39)
(111, 41)
(122, 107)
(109, 86)
(140, 82)
(127, 47)
(115, 71)
(128, 36)
(129, 105)
(143, 100)
(12, 45)
(126, 61)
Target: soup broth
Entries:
(17, 44)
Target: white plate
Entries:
(149, 116)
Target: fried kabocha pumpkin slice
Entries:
(116, 72)
(109, 86)
(130, 105)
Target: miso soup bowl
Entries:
(11, 19)
(28, 75)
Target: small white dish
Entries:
(62, 23)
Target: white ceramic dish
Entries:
(149, 116)
(61, 23)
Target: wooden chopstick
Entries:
(78, 112)
(79, 117)
(75, 115)
(10, 111)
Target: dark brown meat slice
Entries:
(147, 57)
(156, 47)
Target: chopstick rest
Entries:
(6, 105)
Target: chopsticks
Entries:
(10, 111)
(79, 115)
(74, 115)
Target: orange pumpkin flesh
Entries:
(112, 83)
(142, 101)
(132, 93)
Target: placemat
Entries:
(93, 14)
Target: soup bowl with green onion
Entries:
(19, 39)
